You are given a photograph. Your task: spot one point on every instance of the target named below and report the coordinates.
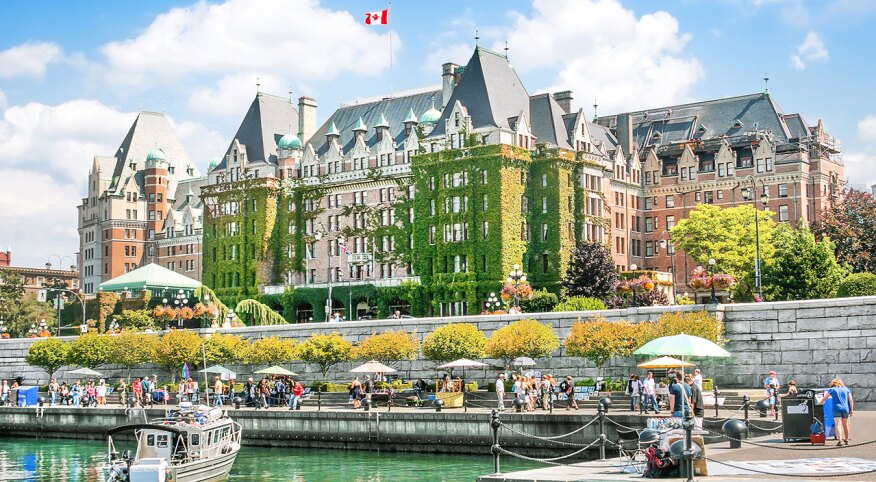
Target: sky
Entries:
(73, 75)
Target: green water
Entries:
(75, 461)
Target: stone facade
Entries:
(808, 341)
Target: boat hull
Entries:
(207, 470)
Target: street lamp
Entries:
(714, 299)
(635, 302)
(32, 332)
(180, 301)
(748, 194)
(229, 318)
(43, 326)
(492, 303)
(516, 277)
(60, 261)
(114, 327)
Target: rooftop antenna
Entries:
(290, 94)
(766, 84)
(477, 38)
(595, 108)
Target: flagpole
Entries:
(389, 23)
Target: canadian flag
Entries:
(377, 18)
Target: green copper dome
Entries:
(431, 116)
(213, 163)
(155, 155)
(289, 141)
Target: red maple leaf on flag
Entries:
(377, 18)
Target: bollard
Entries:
(319, 398)
(600, 412)
(745, 403)
(688, 442)
(389, 404)
(716, 401)
(494, 425)
(518, 404)
(464, 405)
(366, 404)
(438, 404)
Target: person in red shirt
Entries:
(137, 390)
(297, 393)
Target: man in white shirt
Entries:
(650, 388)
(698, 379)
(500, 391)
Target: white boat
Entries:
(192, 444)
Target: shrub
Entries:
(176, 348)
(696, 323)
(580, 303)
(90, 351)
(395, 385)
(329, 387)
(858, 284)
(130, 349)
(135, 320)
(222, 348)
(49, 354)
(269, 351)
(453, 341)
(600, 340)
(542, 301)
(522, 338)
(388, 347)
(325, 350)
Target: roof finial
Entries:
(595, 108)
(477, 38)
(766, 84)
(258, 86)
(506, 49)
(290, 95)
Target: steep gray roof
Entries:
(547, 121)
(394, 109)
(797, 125)
(707, 119)
(268, 119)
(151, 130)
(491, 91)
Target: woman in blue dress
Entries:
(843, 408)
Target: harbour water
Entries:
(28, 459)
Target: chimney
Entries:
(564, 98)
(306, 118)
(449, 79)
(625, 132)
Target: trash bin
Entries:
(28, 396)
(798, 414)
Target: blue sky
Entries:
(73, 75)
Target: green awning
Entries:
(150, 277)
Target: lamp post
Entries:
(635, 302)
(180, 301)
(43, 327)
(714, 299)
(229, 318)
(516, 277)
(32, 332)
(749, 194)
(666, 243)
(492, 302)
(114, 327)
(320, 233)
(207, 336)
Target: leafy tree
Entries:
(325, 350)
(591, 272)
(453, 341)
(696, 323)
(728, 236)
(541, 301)
(49, 354)
(221, 348)
(131, 349)
(11, 292)
(136, 320)
(258, 313)
(857, 284)
(600, 340)
(580, 303)
(27, 311)
(176, 348)
(388, 347)
(91, 350)
(802, 268)
(522, 338)
(270, 351)
(851, 225)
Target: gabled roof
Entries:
(394, 109)
(547, 121)
(268, 119)
(682, 122)
(151, 276)
(797, 125)
(491, 91)
(149, 131)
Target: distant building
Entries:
(36, 279)
(142, 206)
(6, 257)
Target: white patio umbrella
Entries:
(462, 363)
(373, 366)
(276, 370)
(523, 361)
(86, 372)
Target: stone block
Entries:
(811, 313)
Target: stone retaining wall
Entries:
(809, 341)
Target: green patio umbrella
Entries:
(276, 370)
(219, 369)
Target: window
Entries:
(783, 213)
(684, 174)
(769, 164)
(544, 180)
(720, 194)
(431, 207)
(649, 225)
(648, 203)
(670, 222)
(709, 197)
(730, 169)
(544, 205)
(484, 202)
(721, 170)
(484, 177)
(647, 177)
(697, 196)
(485, 230)
(690, 173)
(760, 165)
(649, 248)
(544, 231)
(670, 201)
(544, 263)
(783, 190)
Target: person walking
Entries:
(568, 387)
(369, 388)
(249, 392)
(649, 387)
(696, 401)
(772, 385)
(679, 397)
(356, 390)
(123, 390)
(634, 391)
(218, 391)
(4, 393)
(843, 408)
(53, 391)
(500, 392)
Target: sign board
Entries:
(42, 296)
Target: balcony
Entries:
(359, 258)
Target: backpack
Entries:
(564, 386)
(658, 463)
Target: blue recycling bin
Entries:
(28, 396)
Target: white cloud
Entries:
(2, 100)
(811, 50)
(28, 59)
(458, 52)
(606, 52)
(860, 167)
(867, 128)
(289, 39)
(201, 143)
(232, 94)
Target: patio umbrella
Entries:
(87, 372)
(276, 370)
(219, 369)
(523, 361)
(373, 366)
(665, 362)
(463, 363)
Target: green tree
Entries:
(221, 348)
(270, 351)
(453, 341)
(851, 224)
(27, 312)
(388, 347)
(91, 350)
(522, 338)
(802, 267)
(49, 354)
(131, 349)
(728, 236)
(600, 340)
(857, 284)
(136, 320)
(176, 348)
(542, 301)
(591, 272)
(326, 351)
(696, 323)
(11, 292)
(580, 303)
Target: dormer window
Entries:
(171, 169)
(133, 166)
(737, 124)
(379, 135)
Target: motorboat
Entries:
(190, 444)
